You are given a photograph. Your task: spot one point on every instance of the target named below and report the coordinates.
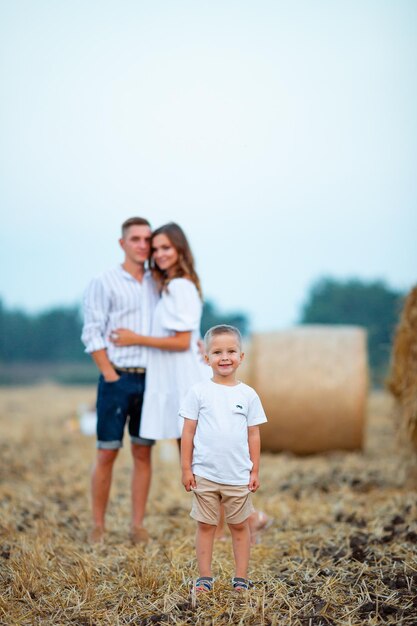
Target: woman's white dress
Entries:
(170, 374)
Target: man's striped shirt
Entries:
(115, 299)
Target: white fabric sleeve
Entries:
(256, 413)
(96, 305)
(190, 406)
(181, 310)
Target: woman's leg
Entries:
(258, 522)
(141, 480)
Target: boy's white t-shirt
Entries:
(221, 449)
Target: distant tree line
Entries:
(54, 336)
(372, 305)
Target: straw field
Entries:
(342, 549)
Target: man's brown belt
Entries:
(130, 370)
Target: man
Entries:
(123, 297)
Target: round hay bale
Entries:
(402, 381)
(245, 372)
(313, 383)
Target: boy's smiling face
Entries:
(224, 356)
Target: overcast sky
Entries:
(280, 135)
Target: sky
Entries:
(280, 135)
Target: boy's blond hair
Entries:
(221, 329)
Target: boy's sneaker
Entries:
(241, 584)
(204, 583)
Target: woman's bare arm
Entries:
(178, 342)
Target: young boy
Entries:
(220, 450)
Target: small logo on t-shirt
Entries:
(239, 406)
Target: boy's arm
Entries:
(187, 446)
(254, 441)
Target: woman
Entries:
(174, 360)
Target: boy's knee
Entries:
(242, 526)
(206, 528)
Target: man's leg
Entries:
(111, 418)
(141, 480)
(141, 449)
(100, 489)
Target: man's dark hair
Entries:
(133, 221)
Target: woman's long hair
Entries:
(185, 264)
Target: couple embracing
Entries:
(142, 319)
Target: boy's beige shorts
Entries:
(208, 495)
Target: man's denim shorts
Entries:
(116, 403)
